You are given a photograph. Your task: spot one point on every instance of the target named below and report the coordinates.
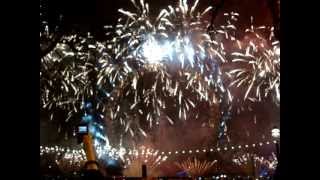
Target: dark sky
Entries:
(92, 15)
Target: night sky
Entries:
(93, 15)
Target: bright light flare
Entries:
(153, 52)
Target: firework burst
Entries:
(150, 64)
(147, 156)
(160, 62)
(65, 76)
(257, 66)
(246, 161)
(196, 167)
(155, 63)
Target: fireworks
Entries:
(270, 162)
(151, 61)
(257, 66)
(155, 63)
(242, 160)
(65, 81)
(68, 160)
(263, 166)
(133, 77)
(259, 161)
(105, 152)
(137, 157)
(196, 167)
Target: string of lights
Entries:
(137, 152)
(218, 149)
(75, 158)
(64, 152)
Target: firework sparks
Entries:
(262, 165)
(270, 162)
(258, 67)
(68, 160)
(135, 158)
(65, 72)
(151, 64)
(196, 167)
(173, 51)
